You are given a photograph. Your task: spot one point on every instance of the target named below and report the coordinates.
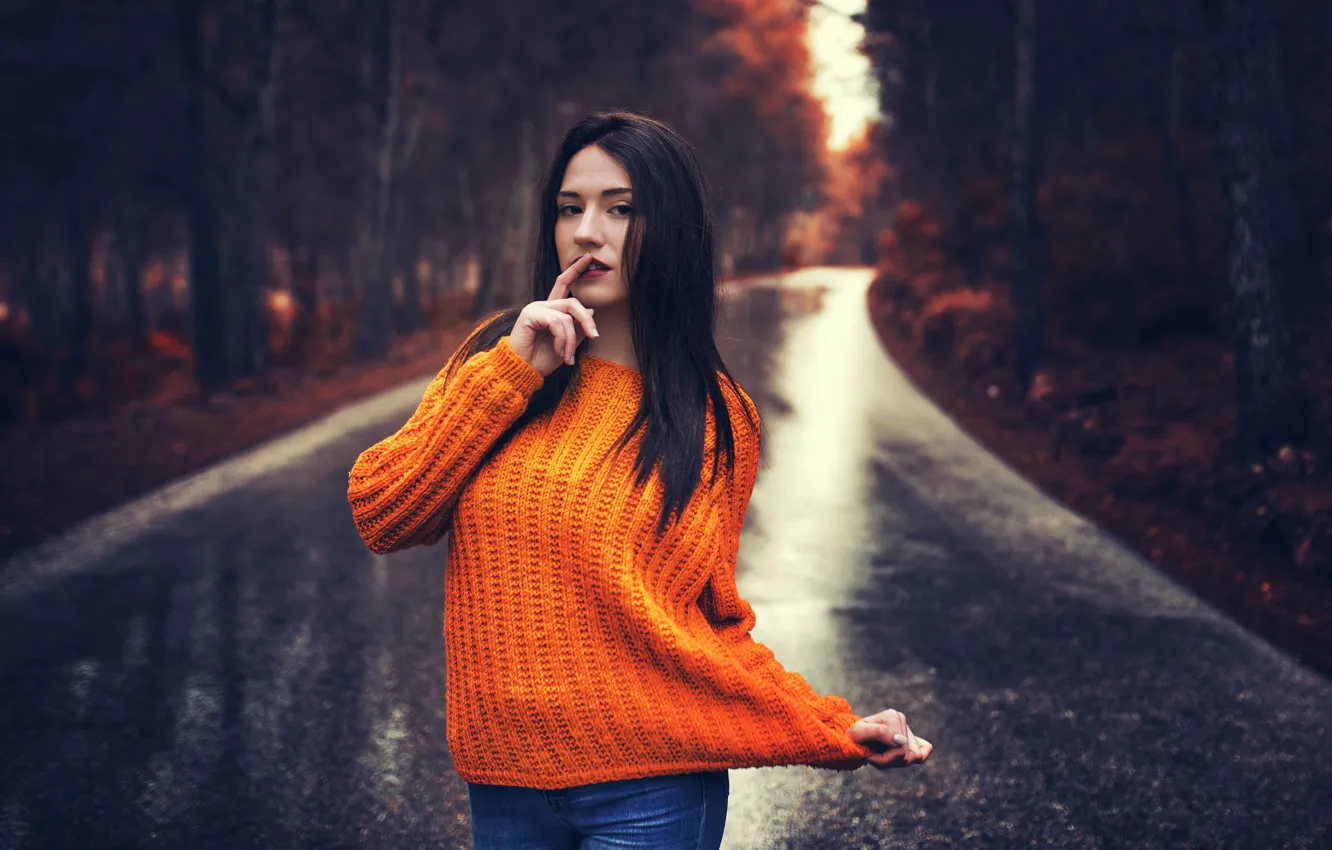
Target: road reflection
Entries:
(800, 345)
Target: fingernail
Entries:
(899, 739)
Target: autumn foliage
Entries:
(225, 187)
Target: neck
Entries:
(615, 342)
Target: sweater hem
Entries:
(618, 772)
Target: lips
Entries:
(596, 268)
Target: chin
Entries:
(597, 300)
(598, 293)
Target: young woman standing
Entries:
(594, 459)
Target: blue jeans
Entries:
(679, 812)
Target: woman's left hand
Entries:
(892, 741)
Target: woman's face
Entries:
(595, 205)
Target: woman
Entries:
(601, 674)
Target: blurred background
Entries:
(1099, 230)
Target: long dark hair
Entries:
(668, 260)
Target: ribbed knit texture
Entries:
(579, 648)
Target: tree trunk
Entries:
(1298, 261)
(491, 241)
(498, 243)
(129, 242)
(943, 187)
(1270, 414)
(380, 70)
(1025, 224)
(1186, 229)
(249, 352)
(305, 292)
(44, 286)
(413, 310)
(518, 232)
(471, 246)
(77, 261)
(400, 241)
(207, 322)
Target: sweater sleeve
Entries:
(403, 489)
(730, 616)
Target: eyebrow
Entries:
(616, 191)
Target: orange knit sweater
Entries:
(578, 649)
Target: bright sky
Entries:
(842, 77)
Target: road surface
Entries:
(222, 664)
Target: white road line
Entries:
(92, 540)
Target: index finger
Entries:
(915, 747)
(568, 276)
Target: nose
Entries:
(588, 233)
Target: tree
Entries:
(207, 297)
(1252, 104)
(1024, 215)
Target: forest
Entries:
(1100, 231)
(220, 219)
(291, 180)
(1109, 259)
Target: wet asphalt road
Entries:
(223, 664)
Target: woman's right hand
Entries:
(547, 332)
(891, 741)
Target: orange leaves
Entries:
(766, 39)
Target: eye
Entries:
(569, 209)
(623, 209)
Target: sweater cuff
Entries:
(511, 368)
(843, 721)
